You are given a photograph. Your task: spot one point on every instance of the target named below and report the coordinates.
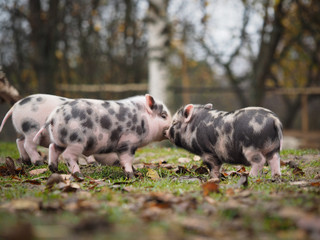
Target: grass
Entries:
(173, 205)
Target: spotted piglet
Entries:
(88, 126)
(249, 136)
(28, 115)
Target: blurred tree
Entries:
(44, 36)
(287, 56)
(158, 46)
(73, 42)
(297, 59)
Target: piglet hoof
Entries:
(276, 178)
(39, 163)
(130, 175)
(26, 161)
(78, 176)
(53, 168)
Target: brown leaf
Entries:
(297, 171)
(37, 171)
(73, 187)
(182, 170)
(293, 164)
(230, 192)
(151, 165)
(24, 205)
(153, 174)
(91, 225)
(241, 169)
(21, 230)
(4, 171)
(282, 163)
(10, 166)
(210, 187)
(78, 177)
(198, 225)
(54, 179)
(33, 181)
(201, 170)
(315, 184)
(167, 166)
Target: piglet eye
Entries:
(164, 116)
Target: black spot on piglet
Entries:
(105, 122)
(25, 100)
(29, 125)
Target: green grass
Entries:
(107, 205)
(8, 149)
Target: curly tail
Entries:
(37, 137)
(278, 126)
(8, 114)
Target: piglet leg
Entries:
(256, 159)
(23, 154)
(274, 163)
(71, 155)
(126, 161)
(54, 153)
(213, 164)
(31, 149)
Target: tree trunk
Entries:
(267, 51)
(44, 41)
(157, 49)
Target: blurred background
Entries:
(231, 53)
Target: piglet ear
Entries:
(208, 106)
(149, 103)
(187, 112)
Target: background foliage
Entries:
(245, 46)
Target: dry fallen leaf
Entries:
(241, 169)
(23, 205)
(153, 174)
(37, 171)
(184, 160)
(201, 170)
(315, 184)
(33, 181)
(196, 158)
(230, 192)
(167, 166)
(210, 187)
(297, 171)
(10, 165)
(55, 178)
(21, 230)
(73, 187)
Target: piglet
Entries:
(28, 115)
(248, 136)
(88, 126)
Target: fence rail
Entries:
(116, 88)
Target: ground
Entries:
(171, 197)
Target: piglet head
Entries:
(159, 118)
(177, 133)
(180, 121)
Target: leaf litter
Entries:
(210, 211)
